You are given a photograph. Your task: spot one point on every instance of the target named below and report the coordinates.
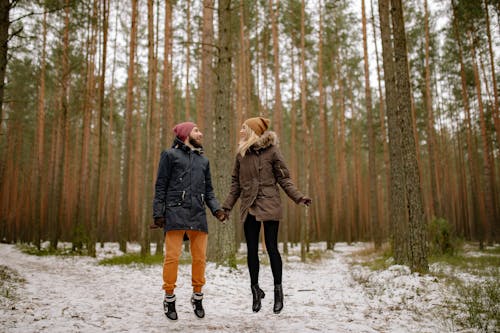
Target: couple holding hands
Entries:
(183, 188)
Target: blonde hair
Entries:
(250, 138)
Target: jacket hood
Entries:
(268, 139)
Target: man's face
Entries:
(196, 137)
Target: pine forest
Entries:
(387, 113)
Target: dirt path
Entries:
(75, 294)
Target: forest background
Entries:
(91, 89)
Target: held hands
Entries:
(222, 215)
(305, 200)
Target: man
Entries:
(183, 188)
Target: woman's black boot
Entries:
(257, 294)
(278, 298)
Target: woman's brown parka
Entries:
(255, 178)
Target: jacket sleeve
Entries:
(282, 175)
(161, 185)
(235, 190)
(210, 198)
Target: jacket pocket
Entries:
(175, 198)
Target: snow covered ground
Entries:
(75, 294)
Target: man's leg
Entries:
(198, 241)
(173, 247)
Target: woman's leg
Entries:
(271, 237)
(252, 230)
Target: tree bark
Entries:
(5, 6)
(127, 135)
(372, 164)
(223, 239)
(416, 257)
(397, 201)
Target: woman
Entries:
(258, 168)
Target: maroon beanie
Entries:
(182, 130)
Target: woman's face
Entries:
(244, 132)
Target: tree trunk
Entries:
(82, 222)
(305, 225)
(372, 164)
(38, 179)
(416, 257)
(324, 174)
(125, 203)
(205, 110)
(99, 154)
(496, 114)
(277, 84)
(4, 47)
(166, 85)
(434, 194)
(223, 237)
(477, 217)
(487, 165)
(397, 201)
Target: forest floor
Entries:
(334, 291)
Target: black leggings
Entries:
(252, 230)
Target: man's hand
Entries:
(158, 223)
(305, 200)
(221, 215)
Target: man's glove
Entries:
(221, 215)
(305, 200)
(158, 223)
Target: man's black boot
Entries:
(278, 298)
(169, 307)
(197, 306)
(257, 294)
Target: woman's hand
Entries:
(305, 201)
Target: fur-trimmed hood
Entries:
(267, 139)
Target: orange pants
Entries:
(173, 247)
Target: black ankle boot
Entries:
(197, 306)
(169, 307)
(257, 294)
(278, 298)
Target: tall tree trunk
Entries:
(38, 203)
(397, 201)
(416, 256)
(166, 85)
(187, 101)
(383, 129)
(434, 194)
(277, 113)
(305, 225)
(5, 7)
(99, 153)
(109, 179)
(372, 164)
(487, 165)
(127, 135)
(496, 114)
(225, 237)
(82, 222)
(205, 109)
(150, 136)
(477, 217)
(324, 174)
(61, 136)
